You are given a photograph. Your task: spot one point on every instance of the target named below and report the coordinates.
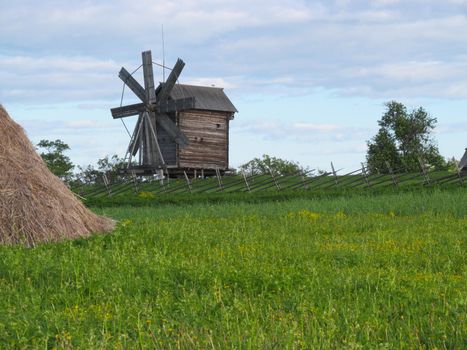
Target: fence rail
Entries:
(357, 179)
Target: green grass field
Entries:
(355, 271)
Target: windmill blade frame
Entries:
(152, 113)
(133, 84)
(127, 111)
(167, 87)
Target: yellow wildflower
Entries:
(307, 214)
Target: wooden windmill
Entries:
(153, 113)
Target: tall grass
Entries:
(347, 272)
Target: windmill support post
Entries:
(133, 141)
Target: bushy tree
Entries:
(53, 155)
(452, 164)
(382, 149)
(403, 139)
(109, 165)
(266, 164)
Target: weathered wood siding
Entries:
(208, 135)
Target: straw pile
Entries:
(35, 205)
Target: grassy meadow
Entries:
(356, 271)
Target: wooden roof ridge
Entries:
(206, 97)
(202, 86)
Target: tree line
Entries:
(53, 154)
(404, 142)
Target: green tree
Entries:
(403, 139)
(109, 165)
(267, 163)
(452, 164)
(382, 149)
(53, 155)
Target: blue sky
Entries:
(309, 78)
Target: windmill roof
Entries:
(206, 97)
(463, 162)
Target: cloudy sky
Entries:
(309, 78)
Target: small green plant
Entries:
(353, 271)
(146, 195)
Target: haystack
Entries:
(35, 205)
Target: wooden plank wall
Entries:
(208, 135)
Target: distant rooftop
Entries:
(463, 162)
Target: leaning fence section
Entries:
(360, 178)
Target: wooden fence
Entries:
(334, 179)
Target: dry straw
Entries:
(35, 205)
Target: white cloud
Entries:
(40, 127)
(85, 124)
(302, 132)
(211, 81)
(367, 48)
(56, 79)
(316, 127)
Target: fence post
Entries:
(334, 173)
(219, 180)
(161, 180)
(246, 181)
(365, 175)
(424, 172)
(393, 177)
(107, 183)
(305, 186)
(187, 181)
(167, 175)
(274, 179)
(162, 184)
(459, 175)
(135, 183)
